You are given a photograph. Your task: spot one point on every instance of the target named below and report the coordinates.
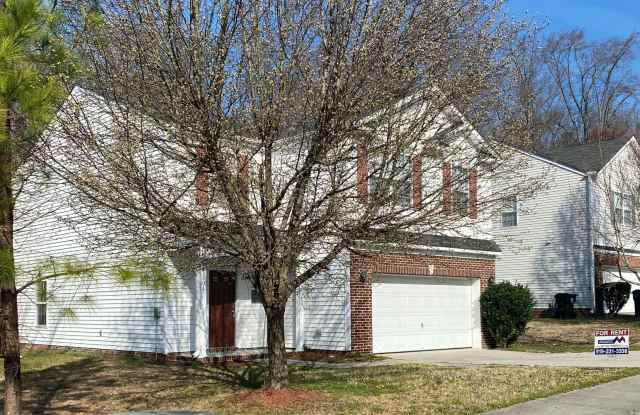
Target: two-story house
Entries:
(418, 296)
(578, 231)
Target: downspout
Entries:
(590, 237)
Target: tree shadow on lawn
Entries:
(75, 380)
(127, 383)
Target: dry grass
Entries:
(555, 336)
(83, 383)
(338, 357)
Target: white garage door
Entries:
(417, 313)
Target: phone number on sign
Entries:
(612, 350)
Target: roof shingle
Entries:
(586, 157)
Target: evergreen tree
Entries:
(34, 64)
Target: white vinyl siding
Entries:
(549, 249)
(326, 308)
(615, 196)
(95, 312)
(250, 320)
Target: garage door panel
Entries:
(412, 313)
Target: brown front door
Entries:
(222, 297)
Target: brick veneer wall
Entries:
(404, 264)
(612, 260)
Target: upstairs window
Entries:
(396, 185)
(460, 190)
(510, 213)
(623, 209)
(41, 303)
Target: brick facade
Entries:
(613, 260)
(404, 264)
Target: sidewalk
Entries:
(620, 397)
(473, 357)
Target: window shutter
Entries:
(473, 193)
(416, 181)
(202, 181)
(446, 188)
(362, 173)
(243, 175)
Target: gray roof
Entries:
(586, 157)
(437, 241)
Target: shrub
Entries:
(506, 310)
(615, 295)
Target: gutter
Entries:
(590, 237)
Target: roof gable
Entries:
(587, 157)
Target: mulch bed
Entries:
(273, 398)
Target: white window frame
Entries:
(403, 189)
(460, 186)
(623, 209)
(41, 302)
(510, 209)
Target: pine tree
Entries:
(34, 64)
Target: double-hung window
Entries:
(510, 212)
(395, 183)
(623, 209)
(41, 303)
(460, 190)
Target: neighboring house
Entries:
(570, 236)
(424, 295)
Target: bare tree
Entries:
(567, 90)
(302, 127)
(595, 83)
(616, 221)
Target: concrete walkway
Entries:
(473, 357)
(619, 397)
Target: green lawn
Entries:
(557, 336)
(74, 383)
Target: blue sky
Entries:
(598, 18)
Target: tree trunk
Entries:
(277, 374)
(11, 349)
(9, 333)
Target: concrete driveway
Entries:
(473, 357)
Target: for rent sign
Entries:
(611, 342)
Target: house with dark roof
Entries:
(578, 231)
(410, 291)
